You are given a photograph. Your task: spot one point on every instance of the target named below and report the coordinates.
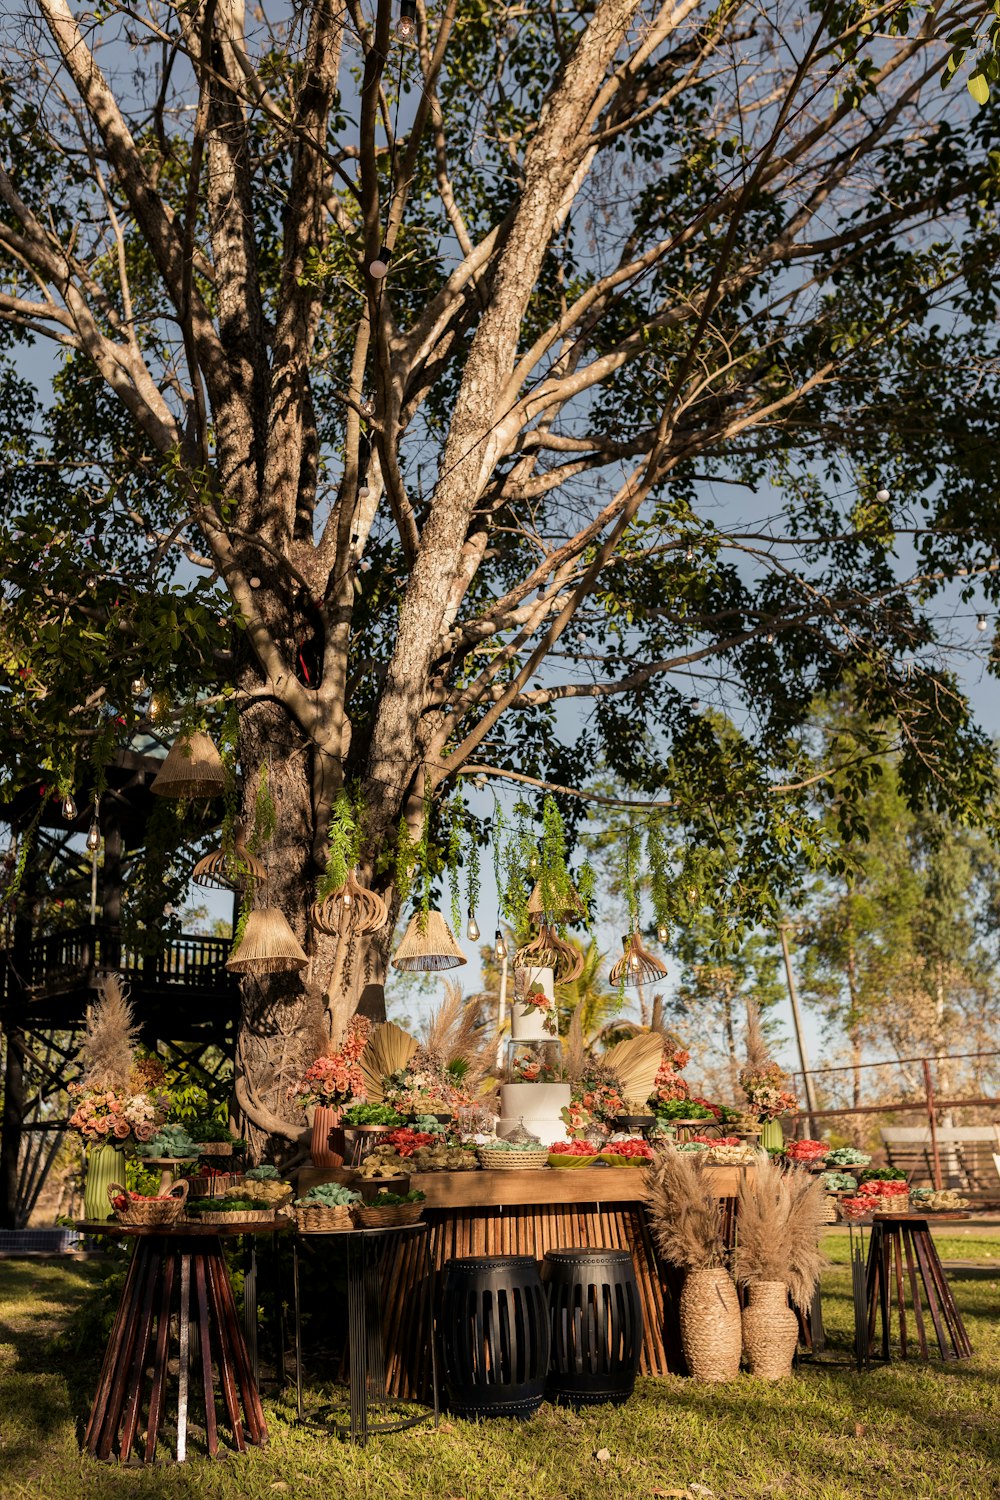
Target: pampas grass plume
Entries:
(685, 1215)
(780, 1219)
(106, 1051)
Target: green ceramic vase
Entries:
(105, 1165)
(772, 1135)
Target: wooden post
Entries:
(13, 1125)
(935, 1153)
(793, 996)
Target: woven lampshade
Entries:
(352, 908)
(428, 946)
(549, 951)
(636, 965)
(193, 768)
(570, 909)
(268, 945)
(229, 870)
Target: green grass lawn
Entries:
(924, 1433)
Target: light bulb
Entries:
(770, 637)
(68, 808)
(689, 555)
(534, 864)
(138, 686)
(406, 26)
(696, 706)
(881, 496)
(472, 931)
(94, 834)
(981, 623)
(499, 947)
(364, 488)
(255, 582)
(150, 538)
(662, 932)
(365, 564)
(378, 268)
(347, 898)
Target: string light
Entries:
(499, 947)
(534, 864)
(406, 26)
(696, 706)
(882, 496)
(138, 686)
(68, 808)
(94, 833)
(378, 268)
(662, 933)
(255, 582)
(472, 931)
(981, 623)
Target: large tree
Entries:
(394, 366)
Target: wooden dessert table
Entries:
(177, 1278)
(529, 1213)
(899, 1237)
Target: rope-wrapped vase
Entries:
(770, 1331)
(710, 1325)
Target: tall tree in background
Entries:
(391, 365)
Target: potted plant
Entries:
(685, 1218)
(364, 1126)
(330, 1084)
(212, 1138)
(325, 1208)
(389, 1210)
(780, 1217)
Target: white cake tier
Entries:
(538, 1105)
(527, 1023)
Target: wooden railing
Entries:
(61, 960)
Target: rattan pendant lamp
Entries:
(637, 965)
(193, 768)
(428, 946)
(350, 910)
(268, 945)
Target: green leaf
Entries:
(978, 87)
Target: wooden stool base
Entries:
(906, 1239)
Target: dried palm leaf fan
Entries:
(387, 1051)
(637, 965)
(268, 945)
(427, 946)
(569, 909)
(635, 1063)
(230, 869)
(351, 908)
(193, 768)
(549, 951)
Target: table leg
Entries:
(918, 1312)
(227, 1378)
(160, 1357)
(897, 1252)
(109, 1366)
(356, 1288)
(885, 1308)
(134, 1374)
(250, 1303)
(279, 1312)
(183, 1357)
(205, 1347)
(298, 1329)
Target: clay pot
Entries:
(770, 1331)
(710, 1325)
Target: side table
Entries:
(177, 1277)
(899, 1237)
(366, 1337)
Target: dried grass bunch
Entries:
(685, 1215)
(108, 1046)
(780, 1219)
(461, 1036)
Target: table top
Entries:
(950, 1216)
(184, 1230)
(312, 1234)
(491, 1190)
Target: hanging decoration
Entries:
(268, 945)
(636, 965)
(428, 946)
(567, 907)
(234, 869)
(193, 768)
(547, 950)
(350, 910)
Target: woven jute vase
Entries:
(710, 1325)
(770, 1331)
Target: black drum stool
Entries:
(494, 1336)
(595, 1324)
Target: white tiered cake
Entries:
(536, 1105)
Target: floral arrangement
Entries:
(634, 1149)
(335, 1079)
(527, 1068)
(855, 1208)
(717, 1140)
(807, 1152)
(685, 1109)
(356, 1116)
(847, 1156)
(571, 1148)
(538, 1000)
(113, 1116)
(765, 1093)
(669, 1085)
(170, 1140)
(329, 1195)
(873, 1188)
(119, 1095)
(424, 1087)
(882, 1174)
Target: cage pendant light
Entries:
(268, 945)
(636, 965)
(428, 946)
(193, 768)
(569, 909)
(351, 908)
(230, 869)
(547, 950)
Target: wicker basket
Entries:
(213, 1187)
(828, 1214)
(315, 1218)
(392, 1216)
(237, 1216)
(528, 1160)
(215, 1148)
(148, 1212)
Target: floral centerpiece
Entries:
(544, 1006)
(807, 1153)
(335, 1079)
(764, 1083)
(669, 1085)
(527, 1067)
(425, 1087)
